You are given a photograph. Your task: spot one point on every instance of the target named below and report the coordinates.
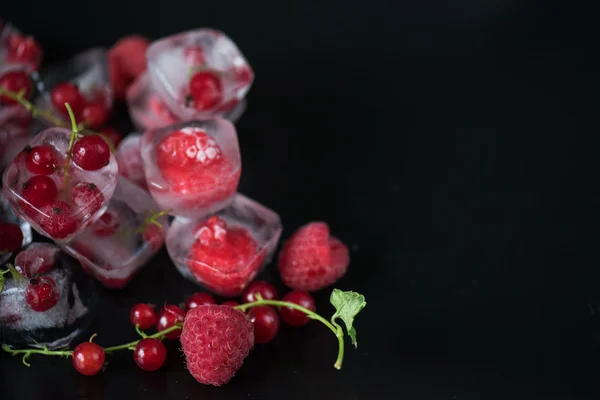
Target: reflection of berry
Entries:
(57, 220)
(87, 197)
(11, 238)
(216, 340)
(39, 190)
(42, 293)
(143, 315)
(292, 316)
(14, 81)
(88, 358)
(91, 153)
(41, 160)
(67, 93)
(150, 354)
(167, 317)
(206, 90)
(266, 323)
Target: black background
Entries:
(450, 143)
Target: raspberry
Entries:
(42, 294)
(57, 220)
(11, 238)
(216, 340)
(311, 259)
(224, 259)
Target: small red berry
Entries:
(199, 299)
(86, 196)
(113, 135)
(143, 315)
(265, 289)
(42, 293)
(167, 317)
(36, 259)
(91, 153)
(94, 115)
(206, 90)
(67, 93)
(11, 238)
(41, 160)
(88, 358)
(57, 219)
(14, 81)
(295, 317)
(39, 190)
(25, 50)
(230, 303)
(266, 323)
(150, 354)
(154, 236)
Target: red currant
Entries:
(266, 323)
(206, 90)
(143, 315)
(86, 196)
(88, 358)
(24, 49)
(41, 160)
(265, 289)
(107, 225)
(42, 293)
(295, 317)
(14, 81)
(94, 115)
(39, 190)
(91, 153)
(150, 354)
(167, 317)
(67, 93)
(154, 236)
(230, 303)
(199, 299)
(11, 238)
(113, 135)
(57, 219)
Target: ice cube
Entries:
(21, 325)
(58, 205)
(129, 159)
(18, 48)
(199, 73)
(115, 247)
(8, 216)
(148, 111)
(225, 252)
(192, 168)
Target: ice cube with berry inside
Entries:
(192, 168)
(18, 48)
(224, 252)
(60, 196)
(129, 159)
(14, 232)
(46, 300)
(199, 73)
(123, 239)
(148, 111)
(83, 82)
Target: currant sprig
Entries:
(151, 218)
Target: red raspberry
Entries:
(87, 197)
(311, 259)
(57, 219)
(224, 259)
(119, 79)
(206, 90)
(160, 109)
(11, 238)
(215, 341)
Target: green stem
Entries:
(131, 345)
(338, 332)
(27, 352)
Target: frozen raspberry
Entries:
(311, 259)
(24, 50)
(206, 90)
(91, 153)
(130, 54)
(107, 225)
(36, 259)
(216, 340)
(57, 220)
(159, 108)
(11, 238)
(87, 197)
(223, 258)
(42, 293)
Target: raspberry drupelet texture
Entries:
(216, 340)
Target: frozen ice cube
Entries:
(56, 327)
(8, 216)
(116, 246)
(67, 203)
(192, 168)
(199, 73)
(225, 252)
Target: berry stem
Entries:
(337, 330)
(44, 350)
(74, 133)
(131, 345)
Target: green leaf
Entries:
(347, 306)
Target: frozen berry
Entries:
(265, 289)
(14, 81)
(243, 75)
(113, 135)
(11, 238)
(94, 115)
(295, 317)
(67, 93)
(88, 358)
(206, 90)
(36, 259)
(154, 236)
(266, 323)
(194, 56)
(230, 303)
(107, 225)
(142, 315)
(39, 190)
(42, 293)
(91, 153)
(215, 341)
(150, 354)
(312, 259)
(130, 55)
(57, 220)
(167, 317)
(199, 299)
(87, 197)
(41, 160)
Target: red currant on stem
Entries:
(206, 90)
(39, 190)
(199, 299)
(150, 354)
(14, 81)
(94, 115)
(265, 289)
(88, 358)
(67, 93)
(142, 315)
(169, 316)
(293, 316)
(266, 323)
